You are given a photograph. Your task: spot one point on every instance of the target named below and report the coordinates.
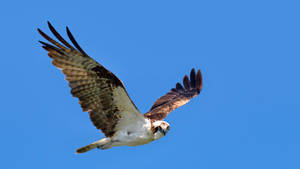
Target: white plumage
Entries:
(104, 96)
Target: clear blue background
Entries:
(247, 116)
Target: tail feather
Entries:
(103, 144)
(86, 148)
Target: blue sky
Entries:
(246, 117)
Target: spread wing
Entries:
(176, 97)
(99, 91)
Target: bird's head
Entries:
(160, 129)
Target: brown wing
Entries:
(99, 91)
(176, 97)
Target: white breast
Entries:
(134, 134)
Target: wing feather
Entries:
(99, 91)
(74, 41)
(57, 35)
(176, 97)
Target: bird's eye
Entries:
(155, 129)
(168, 128)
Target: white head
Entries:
(160, 128)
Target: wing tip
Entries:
(179, 86)
(49, 24)
(195, 81)
(41, 33)
(199, 80)
(71, 37)
(193, 70)
(186, 82)
(193, 78)
(192, 82)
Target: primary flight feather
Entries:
(105, 98)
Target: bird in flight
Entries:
(105, 98)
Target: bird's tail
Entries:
(104, 143)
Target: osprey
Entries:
(104, 97)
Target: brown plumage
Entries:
(89, 81)
(176, 97)
(104, 96)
